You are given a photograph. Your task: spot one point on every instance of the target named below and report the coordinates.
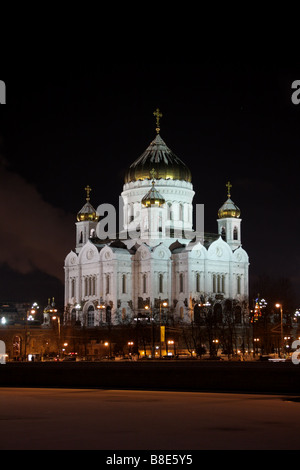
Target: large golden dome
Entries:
(160, 158)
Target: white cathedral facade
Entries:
(157, 262)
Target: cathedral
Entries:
(157, 263)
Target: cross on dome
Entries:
(158, 115)
(88, 189)
(229, 186)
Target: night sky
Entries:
(60, 131)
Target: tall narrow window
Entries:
(180, 212)
(86, 286)
(181, 313)
(214, 284)
(123, 314)
(107, 284)
(235, 233)
(160, 223)
(124, 284)
(238, 281)
(197, 282)
(144, 283)
(170, 211)
(223, 284)
(160, 283)
(90, 316)
(73, 288)
(181, 282)
(223, 233)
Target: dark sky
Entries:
(63, 129)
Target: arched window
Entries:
(223, 233)
(235, 233)
(90, 316)
(218, 313)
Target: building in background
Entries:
(157, 265)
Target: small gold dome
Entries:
(87, 213)
(229, 209)
(158, 156)
(153, 197)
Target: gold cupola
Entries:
(229, 209)
(158, 156)
(87, 213)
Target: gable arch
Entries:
(219, 250)
(88, 254)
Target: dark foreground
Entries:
(244, 377)
(128, 422)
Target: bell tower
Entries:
(229, 221)
(87, 219)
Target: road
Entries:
(93, 419)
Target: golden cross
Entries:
(228, 186)
(158, 115)
(153, 174)
(88, 190)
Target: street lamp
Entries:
(58, 325)
(130, 344)
(161, 304)
(281, 327)
(172, 342)
(147, 307)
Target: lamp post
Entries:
(56, 317)
(161, 304)
(170, 343)
(130, 344)
(147, 307)
(281, 326)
